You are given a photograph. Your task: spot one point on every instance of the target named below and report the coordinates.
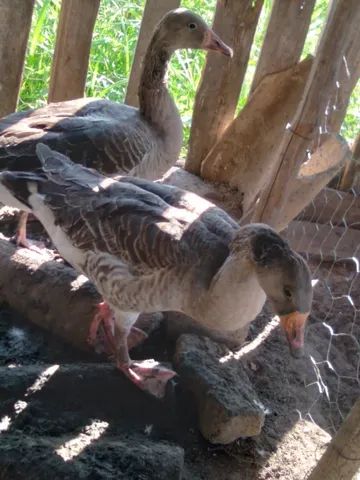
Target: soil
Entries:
(306, 400)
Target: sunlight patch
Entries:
(5, 423)
(76, 445)
(254, 344)
(41, 380)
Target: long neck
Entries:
(234, 297)
(156, 104)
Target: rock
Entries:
(177, 324)
(81, 457)
(228, 406)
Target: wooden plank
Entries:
(217, 96)
(323, 241)
(49, 293)
(330, 205)
(349, 74)
(313, 176)
(154, 10)
(245, 153)
(72, 50)
(222, 195)
(310, 125)
(285, 37)
(15, 22)
(341, 459)
(351, 175)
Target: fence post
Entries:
(341, 460)
(314, 114)
(72, 50)
(15, 22)
(154, 10)
(351, 175)
(217, 96)
(285, 37)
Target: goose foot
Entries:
(104, 318)
(148, 375)
(20, 237)
(22, 242)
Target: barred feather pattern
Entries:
(114, 139)
(153, 247)
(144, 245)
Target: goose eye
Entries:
(192, 26)
(287, 292)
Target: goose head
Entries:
(181, 28)
(286, 279)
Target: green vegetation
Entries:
(114, 44)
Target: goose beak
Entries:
(294, 326)
(213, 42)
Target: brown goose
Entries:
(150, 247)
(112, 137)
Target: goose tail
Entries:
(16, 188)
(61, 170)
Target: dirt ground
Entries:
(73, 422)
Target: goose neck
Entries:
(153, 89)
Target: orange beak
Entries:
(294, 326)
(213, 42)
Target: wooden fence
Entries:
(314, 96)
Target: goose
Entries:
(111, 137)
(151, 247)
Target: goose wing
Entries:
(97, 133)
(125, 219)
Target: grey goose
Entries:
(113, 138)
(151, 247)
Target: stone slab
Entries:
(228, 405)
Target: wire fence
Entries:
(331, 245)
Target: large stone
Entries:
(228, 406)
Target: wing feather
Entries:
(146, 226)
(96, 133)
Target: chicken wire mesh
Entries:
(328, 235)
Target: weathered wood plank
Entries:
(72, 50)
(217, 96)
(324, 241)
(154, 10)
(351, 175)
(313, 176)
(330, 205)
(221, 195)
(341, 459)
(15, 22)
(50, 294)
(285, 37)
(314, 114)
(244, 155)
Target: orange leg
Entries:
(20, 235)
(104, 318)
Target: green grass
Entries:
(113, 47)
